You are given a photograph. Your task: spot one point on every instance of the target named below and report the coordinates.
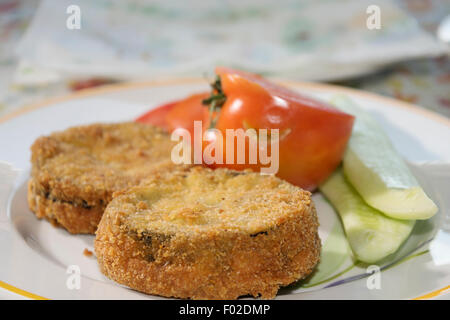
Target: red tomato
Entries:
(157, 116)
(313, 135)
(178, 114)
(186, 111)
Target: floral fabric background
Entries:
(307, 40)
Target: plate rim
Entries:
(26, 108)
(321, 87)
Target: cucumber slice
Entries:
(377, 171)
(371, 234)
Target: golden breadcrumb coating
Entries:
(75, 172)
(209, 234)
(73, 217)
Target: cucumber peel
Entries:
(371, 235)
(377, 171)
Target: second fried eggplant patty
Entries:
(76, 171)
(209, 234)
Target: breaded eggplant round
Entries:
(209, 234)
(76, 171)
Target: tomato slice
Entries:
(178, 114)
(186, 111)
(313, 134)
(157, 116)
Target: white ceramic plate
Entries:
(35, 257)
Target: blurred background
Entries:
(43, 53)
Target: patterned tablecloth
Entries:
(424, 81)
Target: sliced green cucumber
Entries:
(372, 235)
(378, 172)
